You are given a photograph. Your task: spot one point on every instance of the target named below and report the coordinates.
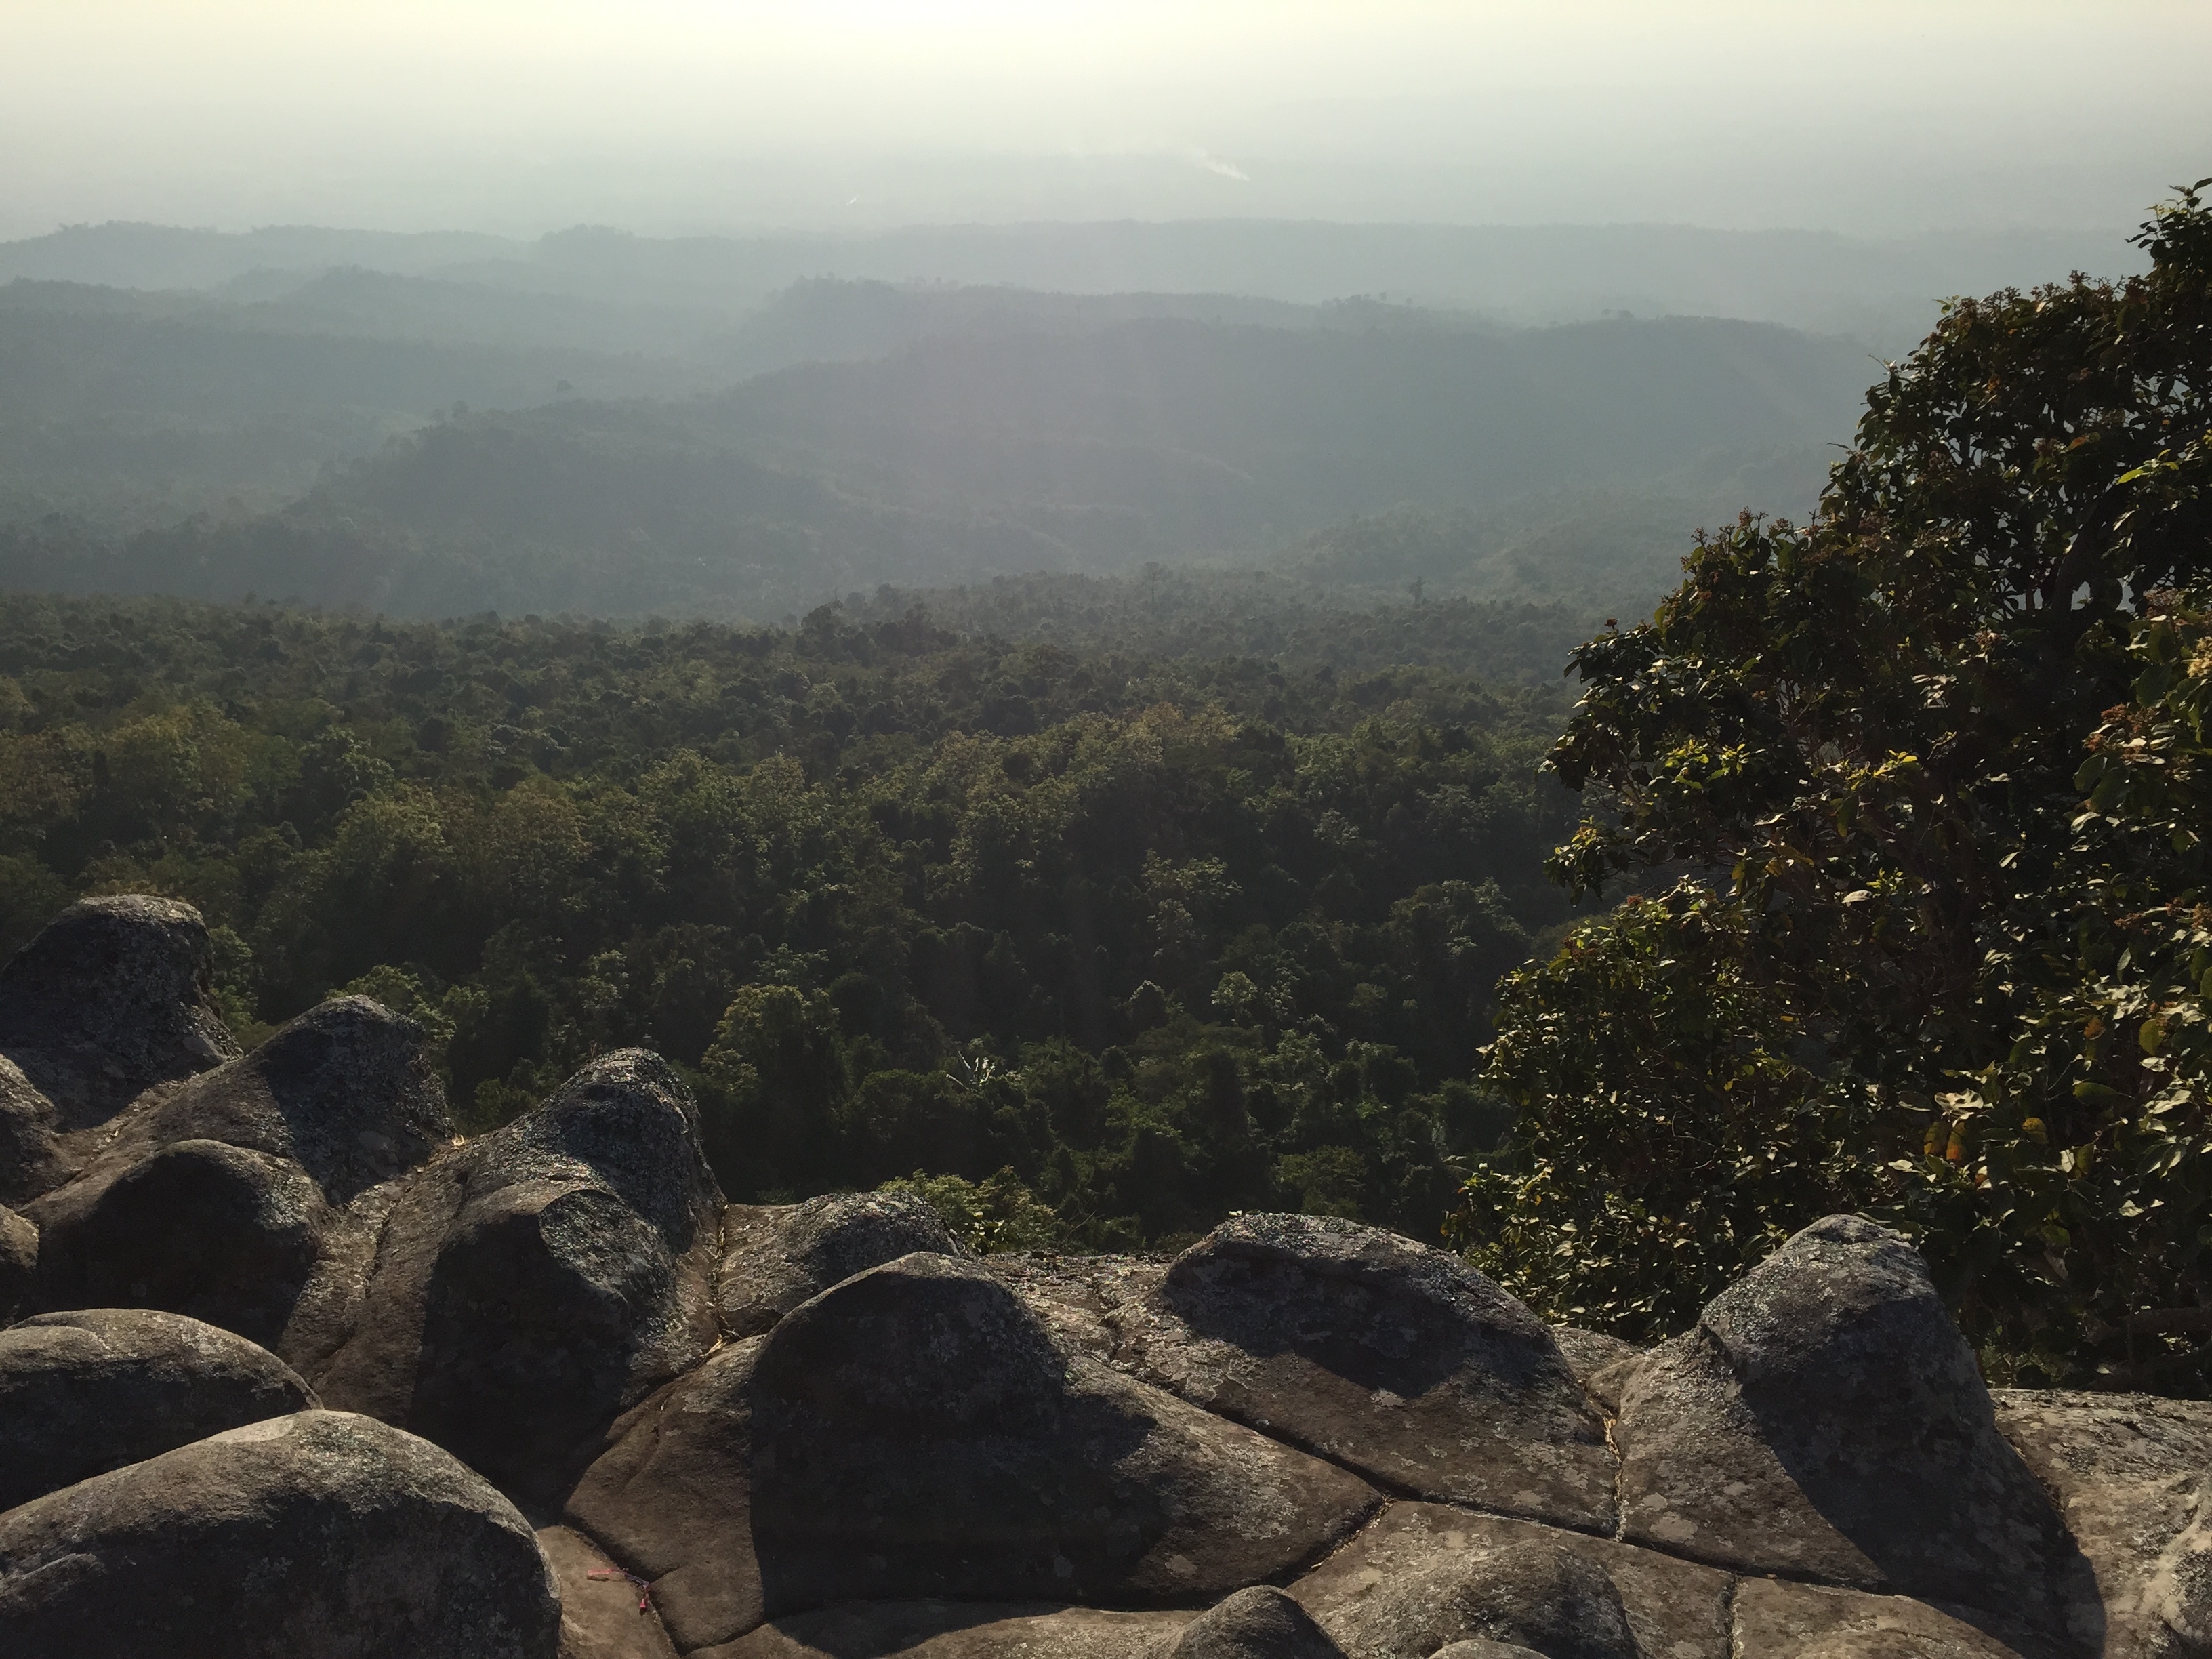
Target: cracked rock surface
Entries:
(1824, 1419)
(913, 1433)
(586, 1410)
(1397, 1360)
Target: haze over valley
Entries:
(1105, 828)
(602, 422)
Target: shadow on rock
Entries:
(1398, 1360)
(532, 1283)
(221, 1197)
(110, 998)
(913, 1433)
(1825, 1419)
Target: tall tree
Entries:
(1842, 760)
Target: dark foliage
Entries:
(1166, 936)
(1911, 968)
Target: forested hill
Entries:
(1011, 448)
(1164, 933)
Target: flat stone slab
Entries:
(1776, 1619)
(1677, 1609)
(2130, 1472)
(1386, 1356)
(956, 1629)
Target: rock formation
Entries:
(84, 1393)
(1395, 1359)
(109, 1000)
(529, 1284)
(319, 1532)
(776, 1256)
(1824, 1419)
(224, 1196)
(825, 1431)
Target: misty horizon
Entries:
(682, 117)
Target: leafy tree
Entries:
(1855, 749)
(1192, 934)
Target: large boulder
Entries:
(109, 1000)
(321, 1533)
(1527, 1593)
(2133, 1478)
(775, 1256)
(1824, 1419)
(912, 1433)
(220, 1196)
(1395, 1359)
(19, 1262)
(1674, 1609)
(346, 1091)
(86, 1392)
(198, 1227)
(529, 1284)
(1259, 1623)
(31, 1160)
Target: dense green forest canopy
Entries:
(1932, 770)
(1177, 921)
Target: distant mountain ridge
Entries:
(1561, 464)
(1883, 289)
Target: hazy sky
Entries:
(680, 115)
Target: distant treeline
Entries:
(1165, 933)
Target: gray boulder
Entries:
(529, 1284)
(86, 1392)
(2133, 1478)
(320, 1534)
(1825, 1419)
(346, 1091)
(1477, 1648)
(31, 1157)
(19, 1262)
(776, 1256)
(110, 998)
(1259, 1623)
(217, 1197)
(1676, 1608)
(912, 1433)
(1395, 1359)
(198, 1227)
(1526, 1594)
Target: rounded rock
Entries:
(321, 1533)
(85, 1392)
